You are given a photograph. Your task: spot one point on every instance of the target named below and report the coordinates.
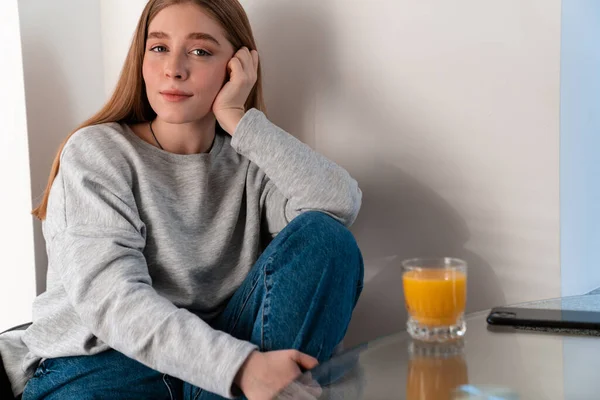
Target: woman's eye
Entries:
(200, 52)
(158, 49)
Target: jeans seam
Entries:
(237, 319)
(197, 394)
(262, 311)
(262, 328)
(319, 351)
(265, 307)
(168, 387)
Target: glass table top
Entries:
(512, 363)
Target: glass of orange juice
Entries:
(435, 293)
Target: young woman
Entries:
(195, 249)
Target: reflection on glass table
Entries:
(511, 363)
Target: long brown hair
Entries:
(129, 103)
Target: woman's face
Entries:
(185, 63)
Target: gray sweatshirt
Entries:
(145, 247)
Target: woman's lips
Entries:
(175, 96)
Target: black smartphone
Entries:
(544, 318)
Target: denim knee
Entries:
(330, 239)
(323, 229)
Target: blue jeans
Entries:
(299, 295)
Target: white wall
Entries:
(17, 268)
(119, 19)
(448, 115)
(64, 84)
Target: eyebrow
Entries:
(194, 35)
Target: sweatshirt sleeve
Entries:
(298, 178)
(105, 275)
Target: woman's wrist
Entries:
(229, 119)
(242, 375)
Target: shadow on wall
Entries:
(293, 40)
(400, 217)
(47, 120)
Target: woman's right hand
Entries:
(264, 375)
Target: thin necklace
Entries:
(154, 136)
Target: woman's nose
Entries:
(175, 68)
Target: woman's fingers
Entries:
(249, 61)
(245, 58)
(254, 54)
(305, 361)
(235, 68)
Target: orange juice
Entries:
(431, 378)
(435, 297)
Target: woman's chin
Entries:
(180, 118)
